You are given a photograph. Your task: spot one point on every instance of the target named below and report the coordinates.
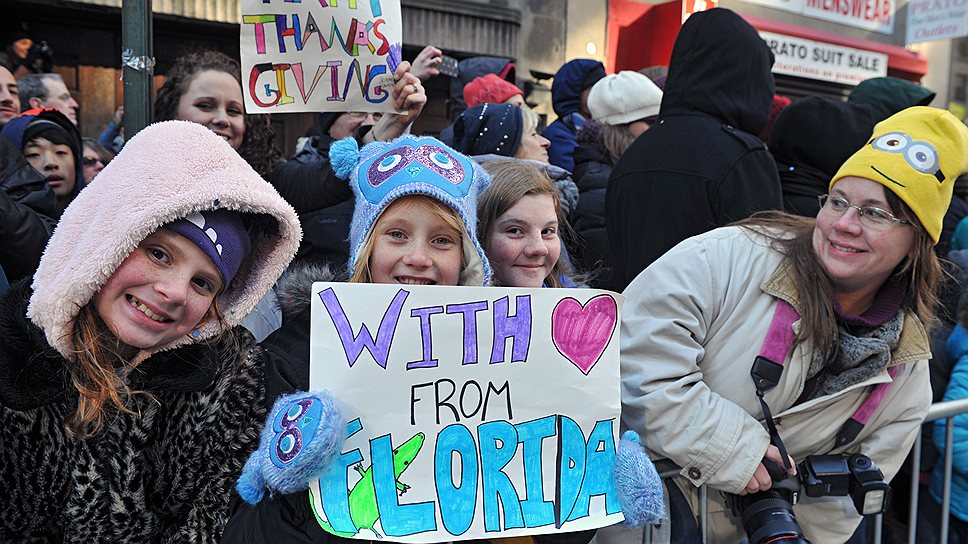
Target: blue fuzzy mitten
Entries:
(303, 434)
(637, 482)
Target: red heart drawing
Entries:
(581, 333)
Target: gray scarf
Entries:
(859, 356)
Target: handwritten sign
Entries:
(474, 412)
(319, 55)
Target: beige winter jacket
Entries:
(692, 324)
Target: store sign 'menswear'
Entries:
(824, 61)
(877, 15)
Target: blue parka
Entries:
(957, 389)
(572, 78)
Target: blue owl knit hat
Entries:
(381, 172)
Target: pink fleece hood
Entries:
(165, 172)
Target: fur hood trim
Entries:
(295, 287)
(165, 172)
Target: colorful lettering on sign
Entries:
(513, 328)
(483, 456)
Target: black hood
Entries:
(23, 183)
(721, 67)
(820, 133)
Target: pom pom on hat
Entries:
(489, 88)
(917, 154)
(343, 155)
(623, 98)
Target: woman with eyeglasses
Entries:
(95, 158)
(833, 309)
(623, 107)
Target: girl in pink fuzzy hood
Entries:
(129, 398)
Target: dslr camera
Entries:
(767, 516)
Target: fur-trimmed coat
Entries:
(160, 474)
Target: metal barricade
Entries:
(941, 410)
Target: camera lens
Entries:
(768, 517)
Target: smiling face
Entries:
(414, 245)
(214, 99)
(523, 245)
(55, 161)
(160, 292)
(859, 259)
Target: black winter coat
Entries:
(702, 165)
(160, 474)
(27, 205)
(323, 201)
(593, 165)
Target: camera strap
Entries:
(768, 367)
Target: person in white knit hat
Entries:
(623, 106)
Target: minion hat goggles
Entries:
(916, 153)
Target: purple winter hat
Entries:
(218, 233)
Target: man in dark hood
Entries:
(27, 205)
(40, 134)
(569, 96)
(702, 165)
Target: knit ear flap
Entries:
(343, 156)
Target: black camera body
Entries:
(768, 516)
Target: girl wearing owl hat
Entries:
(833, 310)
(414, 223)
(129, 398)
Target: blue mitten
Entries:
(637, 482)
(303, 434)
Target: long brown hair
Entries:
(101, 363)
(511, 180)
(258, 144)
(792, 235)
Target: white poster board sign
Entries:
(823, 61)
(319, 55)
(473, 412)
(933, 20)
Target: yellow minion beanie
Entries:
(916, 153)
